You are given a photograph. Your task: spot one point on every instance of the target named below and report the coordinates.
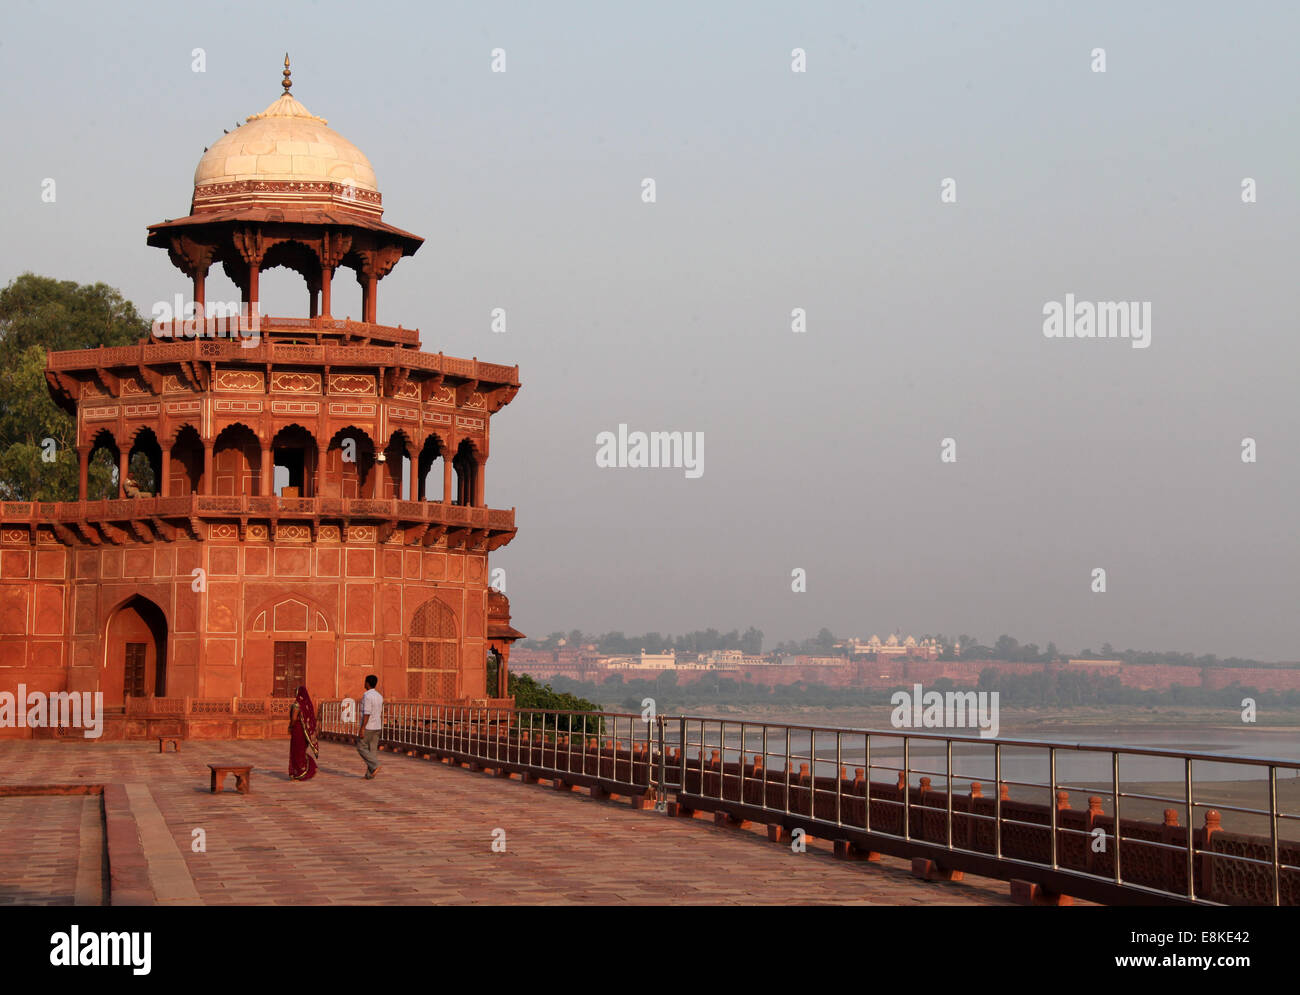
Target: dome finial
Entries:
(287, 83)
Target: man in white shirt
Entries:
(372, 723)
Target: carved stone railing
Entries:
(252, 506)
(229, 326)
(264, 350)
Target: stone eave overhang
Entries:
(428, 524)
(223, 222)
(196, 359)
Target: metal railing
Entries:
(1121, 848)
(614, 751)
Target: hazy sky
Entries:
(779, 190)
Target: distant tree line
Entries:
(1060, 689)
(963, 647)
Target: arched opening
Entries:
(429, 469)
(294, 454)
(135, 653)
(104, 458)
(431, 660)
(466, 465)
(186, 470)
(237, 462)
(282, 293)
(356, 264)
(396, 476)
(144, 465)
(349, 462)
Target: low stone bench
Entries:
(243, 776)
(164, 740)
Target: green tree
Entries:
(38, 455)
(528, 694)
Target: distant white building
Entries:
(926, 649)
(659, 661)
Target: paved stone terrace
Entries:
(421, 832)
(51, 850)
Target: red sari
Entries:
(303, 748)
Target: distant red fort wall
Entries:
(891, 672)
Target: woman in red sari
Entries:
(303, 748)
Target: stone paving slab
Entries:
(420, 832)
(50, 850)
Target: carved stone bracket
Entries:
(251, 244)
(332, 247)
(141, 530)
(191, 257)
(465, 391)
(378, 260)
(500, 397)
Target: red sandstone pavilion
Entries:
(194, 608)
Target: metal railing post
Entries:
(1051, 801)
(948, 771)
(812, 767)
(866, 789)
(1119, 828)
(1272, 823)
(741, 797)
(997, 801)
(1191, 831)
(787, 770)
(681, 753)
(907, 789)
(661, 801)
(839, 776)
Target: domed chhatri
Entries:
(284, 189)
(325, 477)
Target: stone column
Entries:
(267, 486)
(479, 499)
(446, 479)
(251, 246)
(326, 276)
(253, 289)
(368, 305)
(207, 485)
(83, 472)
(165, 485)
(123, 462)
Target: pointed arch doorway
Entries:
(432, 661)
(135, 653)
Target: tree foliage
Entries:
(38, 455)
(528, 694)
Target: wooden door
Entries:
(290, 667)
(133, 683)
